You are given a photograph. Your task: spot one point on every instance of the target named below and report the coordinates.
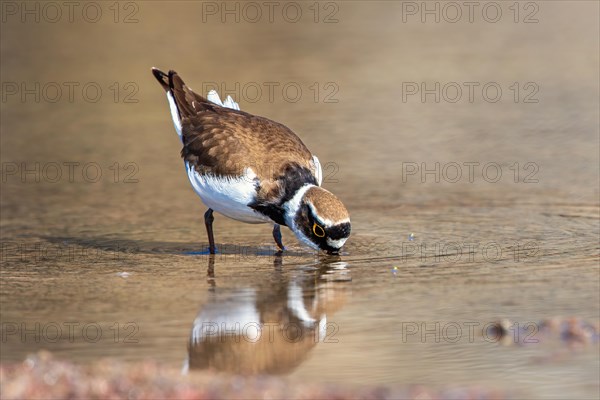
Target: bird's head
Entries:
(318, 219)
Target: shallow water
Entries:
(115, 263)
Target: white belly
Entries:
(228, 196)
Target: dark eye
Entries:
(318, 231)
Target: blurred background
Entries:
(475, 128)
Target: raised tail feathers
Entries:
(162, 78)
(184, 102)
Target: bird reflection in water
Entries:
(268, 328)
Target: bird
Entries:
(252, 169)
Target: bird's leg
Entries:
(277, 237)
(208, 220)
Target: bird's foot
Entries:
(277, 237)
(203, 252)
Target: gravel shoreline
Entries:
(42, 376)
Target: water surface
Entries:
(122, 253)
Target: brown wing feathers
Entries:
(223, 141)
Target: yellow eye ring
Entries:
(318, 231)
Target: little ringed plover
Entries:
(253, 169)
